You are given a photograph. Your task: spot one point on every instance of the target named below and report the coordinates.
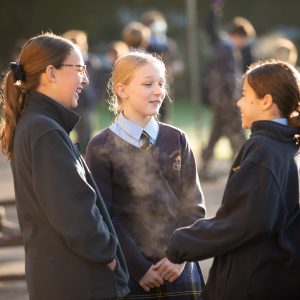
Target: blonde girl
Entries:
(147, 175)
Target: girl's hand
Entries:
(151, 279)
(167, 270)
(112, 265)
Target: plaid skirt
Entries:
(188, 286)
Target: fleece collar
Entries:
(67, 118)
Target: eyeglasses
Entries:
(80, 68)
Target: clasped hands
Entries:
(162, 270)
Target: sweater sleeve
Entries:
(67, 199)
(251, 210)
(99, 163)
(192, 199)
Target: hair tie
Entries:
(17, 71)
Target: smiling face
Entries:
(63, 83)
(70, 80)
(250, 106)
(143, 95)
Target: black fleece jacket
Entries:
(68, 234)
(254, 236)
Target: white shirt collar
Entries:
(283, 121)
(135, 130)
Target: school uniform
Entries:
(254, 236)
(68, 234)
(148, 194)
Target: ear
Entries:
(267, 102)
(50, 73)
(120, 90)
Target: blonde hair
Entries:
(118, 48)
(123, 71)
(285, 50)
(242, 27)
(78, 37)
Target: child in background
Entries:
(146, 173)
(71, 249)
(136, 36)
(167, 48)
(254, 237)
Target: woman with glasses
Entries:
(71, 248)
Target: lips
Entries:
(155, 102)
(79, 90)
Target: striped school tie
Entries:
(146, 145)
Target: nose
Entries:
(238, 103)
(85, 79)
(158, 90)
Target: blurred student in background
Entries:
(136, 36)
(161, 44)
(243, 34)
(112, 52)
(221, 87)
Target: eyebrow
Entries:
(150, 77)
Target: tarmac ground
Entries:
(12, 258)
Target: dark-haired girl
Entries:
(254, 237)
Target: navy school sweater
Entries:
(148, 194)
(68, 235)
